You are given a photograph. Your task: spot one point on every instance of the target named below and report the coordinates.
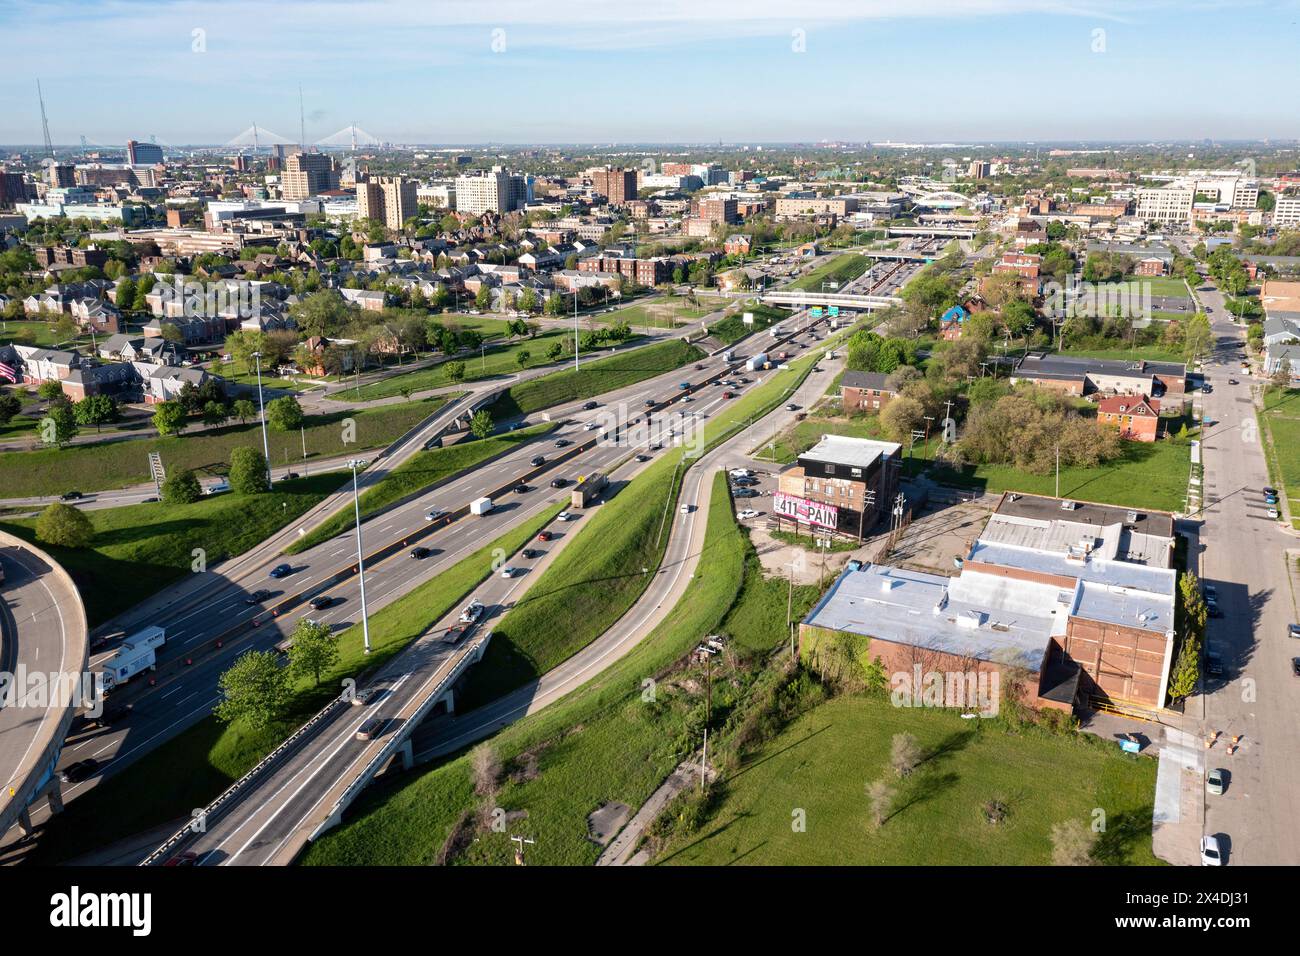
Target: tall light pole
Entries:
(261, 411)
(354, 464)
(575, 328)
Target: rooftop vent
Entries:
(970, 619)
(888, 584)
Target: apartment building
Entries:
(1170, 205)
(496, 191)
(388, 199)
(805, 207)
(308, 174)
(1286, 212)
(616, 185)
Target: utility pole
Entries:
(354, 464)
(1058, 471)
(575, 328)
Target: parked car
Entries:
(281, 571)
(258, 596)
(1295, 666)
(744, 493)
(747, 514)
(1213, 664)
(1270, 491)
(1214, 781)
(1273, 513)
(1211, 854)
(76, 772)
(1293, 630)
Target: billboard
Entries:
(802, 509)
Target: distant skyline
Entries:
(567, 72)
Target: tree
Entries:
(1071, 844)
(483, 298)
(10, 405)
(247, 471)
(480, 425)
(245, 409)
(64, 525)
(880, 795)
(214, 413)
(95, 410)
(321, 313)
(456, 371)
(314, 649)
(1281, 378)
(49, 390)
(900, 417)
(522, 357)
(59, 425)
(255, 689)
(904, 754)
(284, 414)
(181, 488)
(169, 418)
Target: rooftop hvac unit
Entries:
(888, 584)
(970, 619)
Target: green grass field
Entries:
(1281, 426)
(122, 463)
(801, 436)
(1168, 287)
(822, 762)
(595, 377)
(195, 766)
(841, 269)
(656, 314)
(141, 549)
(420, 471)
(39, 333)
(733, 328)
(1148, 353)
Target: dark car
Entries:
(1213, 665)
(745, 493)
(1271, 491)
(531, 553)
(320, 602)
(649, 403)
(419, 553)
(642, 457)
(538, 461)
(744, 481)
(281, 571)
(1293, 630)
(1295, 666)
(76, 772)
(590, 405)
(71, 495)
(559, 482)
(1207, 388)
(187, 858)
(562, 443)
(522, 488)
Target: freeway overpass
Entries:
(949, 232)
(43, 649)
(802, 299)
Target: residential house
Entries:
(1136, 416)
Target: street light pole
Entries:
(354, 464)
(261, 411)
(575, 328)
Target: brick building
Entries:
(865, 391)
(1136, 416)
(843, 485)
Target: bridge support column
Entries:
(449, 700)
(407, 753)
(25, 822)
(55, 797)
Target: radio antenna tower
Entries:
(45, 123)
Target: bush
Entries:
(247, 471)
(65, 526)
(181, 488)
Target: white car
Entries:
(1211, 854)
(563, 516)
(473, 611)
(590, 426)
(741, 473)
(434, 514)
(507, 572)
(686, 398)
(747, 514)
(686, 509)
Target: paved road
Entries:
(42, 631)
(1243, 558)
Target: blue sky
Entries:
(473, 71)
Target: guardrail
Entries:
(472, 654)
(213, 810)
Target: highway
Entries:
(209, 624)
(269, 822)
(42, 632)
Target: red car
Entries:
(726, 395)
(544, 536)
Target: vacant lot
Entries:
(122, 463)
(1281, 423)
(141, 549)
(822, 763)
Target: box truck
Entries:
(480, 506)
(135, 654)
(756, 362)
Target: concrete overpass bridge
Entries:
(947, 232)
(801, 299)
(44, 649)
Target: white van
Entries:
(218, 486)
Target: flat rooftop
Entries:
(1052, 365)
(983, 617)
(1044, 509)
(857, 452)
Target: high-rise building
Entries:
(494, 191)
(1165, 205)
(616, 185)
(61, 175)
(143, 154)
(308, 174)
(388, 199)
(13, 188)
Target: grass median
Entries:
(418, 473)
(596, 377)
(841, 269)
(197, 764)
(119, 464)
(139, 550)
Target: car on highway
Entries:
(559, 482)
(71, 496)
(186, 858)
(590, 405)
(791, 407)
(686, 509)
(545, 535)
(728, 394)
(281, 571)
(453, 634)
(1211, 853)
(366, 695)
(642, 457)
(1293, 630)
(1295, 666)
(565, 516)
(258, 596)
(1214, 781)
(590, 426)
(530, 553)
(699, 368)
(686, 398)
(538, 461)
(79, 771)
(473, 611)
(650, 403)
(420, 553)
(508, 571)
(434, 514)
(372, 728)
(522, 488)
(747, 514)
(320, 602)
(562, 443)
